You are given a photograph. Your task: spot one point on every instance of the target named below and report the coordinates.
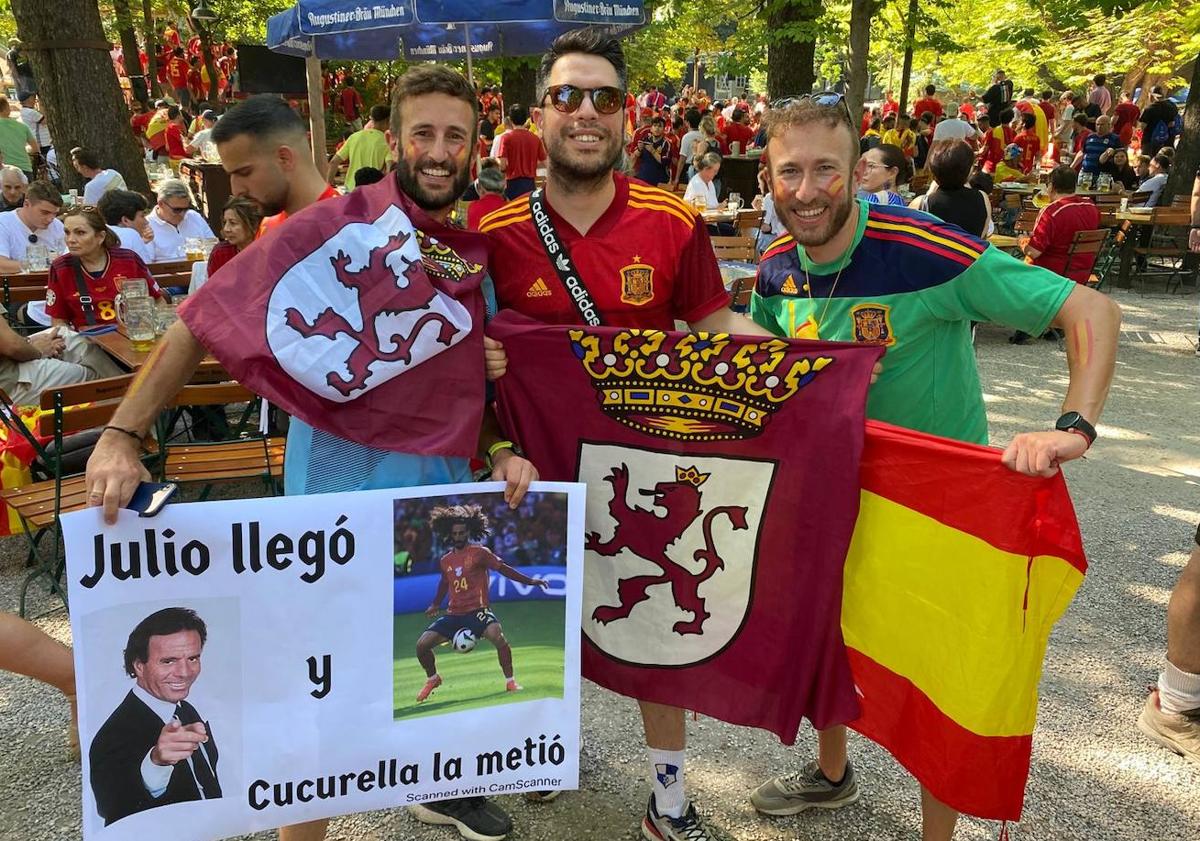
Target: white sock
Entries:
(666, 775)
(1178, 691)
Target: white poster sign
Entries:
(247, 664)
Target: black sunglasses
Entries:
(567, 98)
(826, 99)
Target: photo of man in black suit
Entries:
(155, 749)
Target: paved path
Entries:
(1094, 776)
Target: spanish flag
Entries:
(958, 570)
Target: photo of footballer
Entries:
(458, 557)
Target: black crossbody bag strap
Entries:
(85, 297)
(556, 252)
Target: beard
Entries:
(406, 175)
(818, 234)
(567, 166)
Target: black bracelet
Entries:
(135, 436)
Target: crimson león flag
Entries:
(722, 476)
(361, 316)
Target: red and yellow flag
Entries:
(958, 570)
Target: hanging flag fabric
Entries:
(958, 570)
(722, 476)
(361, 316)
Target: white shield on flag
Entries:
(670, 552)
(316, 325)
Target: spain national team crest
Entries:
(670, 555)
(637, 283)
(873, 324)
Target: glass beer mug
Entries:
(734, 202)
(136, 314)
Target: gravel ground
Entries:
(1094, 776)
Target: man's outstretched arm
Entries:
(114, 469)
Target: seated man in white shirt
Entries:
(124, 212)
(701, 186)
(34, 223)
(99, 180)
(12, 188)
(174, 222)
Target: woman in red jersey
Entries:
(83, 283)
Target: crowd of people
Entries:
(532, 534)
(835, 215)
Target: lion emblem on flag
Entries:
(360, 310)
(671, 580)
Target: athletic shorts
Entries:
(452, 623)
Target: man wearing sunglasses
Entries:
(646, 261)
(34, 223)
(174, 222)
(852, 271)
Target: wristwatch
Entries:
(1074, 422)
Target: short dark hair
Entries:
(1100, 79)
(893, 158)
(518, 114)
(737, 115)
(589, 41)
(42, 190)
(367, 175)
(262, 117)
(169, 620)
(951, 161)
(1047, 94)
(1028, 121)
(1080, 119)
(116, 205)
(1163, 161)
(692, 118)
(930, 90)
(172, 112)
(380, 114)
(658, 121)
(86, 157)
(1006, 116)
(1063, 179)
(434, 78)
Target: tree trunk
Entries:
(517, 80)
(129, 47)
(207, 58)
(861, 13)
(1187, 153)
(910, 36)
(791, 46)
(151, 48)
(77, 86)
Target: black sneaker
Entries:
(475, 818)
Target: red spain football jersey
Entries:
(465, 571)
(646, 262)
(62, 290)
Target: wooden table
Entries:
(713, 217)
(117, 345)
(1167, 217)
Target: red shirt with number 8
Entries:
(62, 288)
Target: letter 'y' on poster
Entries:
(253, 663)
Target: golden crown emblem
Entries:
(696, 386)
(691, 476)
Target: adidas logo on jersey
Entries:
(789, 287)
(538, 289)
